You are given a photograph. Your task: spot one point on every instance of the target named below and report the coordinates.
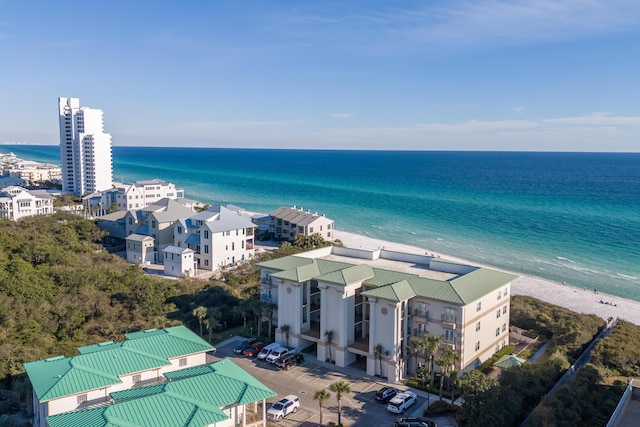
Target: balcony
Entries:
(313, 332)
(421, 314)
(448, 321)
(360, 345)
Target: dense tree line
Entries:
(589, 399)
(60, 290)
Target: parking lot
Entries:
(359, 408)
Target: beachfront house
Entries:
(140, 249)
(285, 223)
(153, 378)
(364, 307)
(218, 236)
(139, 195)
(156, 221)
(18, 202)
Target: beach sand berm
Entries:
(574, 298)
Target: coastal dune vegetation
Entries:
(59, 289)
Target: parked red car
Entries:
(254, 349)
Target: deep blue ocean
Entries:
(572, 217)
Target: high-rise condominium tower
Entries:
(85, 150)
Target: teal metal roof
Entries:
(193, 397)
(100, 365)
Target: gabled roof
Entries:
(192, 397)
(399, 291)
(309, 271)
(286, 263)
(176, 250)
(474, 285)
(138, 237)
(351, 274)
(296, 216)
(100, 365)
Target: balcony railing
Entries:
(448, 321)
(421, 314)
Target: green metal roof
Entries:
(399, 291)
(352, 274)
(480, 282)
(193, 397)
(286, 263)
(309, 271)
(100, 365)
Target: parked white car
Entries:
(266, 350)
(401, 402)
(284, 407)
(277, 353)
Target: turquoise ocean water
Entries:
(572, 217)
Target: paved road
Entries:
(359, 408)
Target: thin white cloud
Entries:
(342, 115)
(518, 109)
(239, 124)
(458, 23)
(598, 119)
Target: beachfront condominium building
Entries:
(85, 150)
(153, 378)
(367, 306)
(285, 223)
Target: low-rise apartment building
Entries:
(285, 223)
(154, 378)
(18, 202)
(384, 299)
(218, 236)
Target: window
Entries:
(479, 307)
(504, 327)
(183, 362)
(243, 244)
(498, 314)
(179, 229)
(137, 378)
(477, 326)
(236, 232)
(233, 246)
(497, 331)
(310, 229)
(206, 249)
(320, 228)
(505, 292)
(82, 399)
(478, 346)
(206, 234)
(504, 310)
(328, 226)
(499, 295)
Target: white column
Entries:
(343, 319)
(264, 413)
(297, 310)
(372, 324)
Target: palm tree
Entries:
(416, 347)
(379, 351)
(213, 317)
(321, 396)
(329, 337)
(340, 388)
(285, 329)
(447, 358)
(257, 307)
(200, 313)
(431, 345)
(270, 308)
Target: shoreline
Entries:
(580, 300)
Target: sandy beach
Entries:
(575, 299)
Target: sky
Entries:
(537, 75)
